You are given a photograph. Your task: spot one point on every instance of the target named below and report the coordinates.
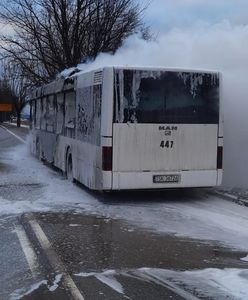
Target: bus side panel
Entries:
(43, 145)
(33, 142)
(63, 144)
(87, 165)
(107, 103)
(48, 145)
(107, 123)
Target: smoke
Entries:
(222, 47)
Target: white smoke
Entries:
(222, 47)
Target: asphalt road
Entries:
(94, 246)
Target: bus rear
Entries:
(167, 130)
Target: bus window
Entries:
(166, 97)
(50, 114)
(89, 114)
(43, 113)
(60, 113)
(70, 114)
(37, 113)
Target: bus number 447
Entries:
(166, 144)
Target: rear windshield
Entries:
(166, 97)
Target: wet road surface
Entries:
(49, 252)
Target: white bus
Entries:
(119, 128)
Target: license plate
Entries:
(166, 178)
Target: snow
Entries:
(212, 283)
(208, 283)
(20, 293)
(55, 285)
(106, 277)
(195, 215)
(244, 258)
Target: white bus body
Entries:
(132, 128)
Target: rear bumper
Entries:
(144, 180)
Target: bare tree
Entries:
(52, 35)
(19, 86)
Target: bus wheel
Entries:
(69, 167)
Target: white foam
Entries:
(213, 283)
(20, 293)
(56, 282)
(245, 258)
(106, 277)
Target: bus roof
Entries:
(66, 81)
(150, 68)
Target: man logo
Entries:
(168, 128)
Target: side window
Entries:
(97, 104)
(50, 114)
(60, 113)
(32, 113)
(70, 114)
(37, 113)
(89, 114)
(43, 113)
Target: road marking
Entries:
(27, 249)
(53, 259)
(16, 136)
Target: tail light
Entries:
(107, 158)
(219, 157)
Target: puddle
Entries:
(93, 243)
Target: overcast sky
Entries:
(163, 15)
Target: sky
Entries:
(163, 15)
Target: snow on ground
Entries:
(207, 283)
(244, 258)
(107, 277)
(210, 283)
(20, 293)
(196, 214)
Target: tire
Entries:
(69, 167)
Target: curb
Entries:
(236, 199)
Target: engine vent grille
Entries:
(98, 77)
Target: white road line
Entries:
(27, 249)
(19, 138)
(54, 260)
